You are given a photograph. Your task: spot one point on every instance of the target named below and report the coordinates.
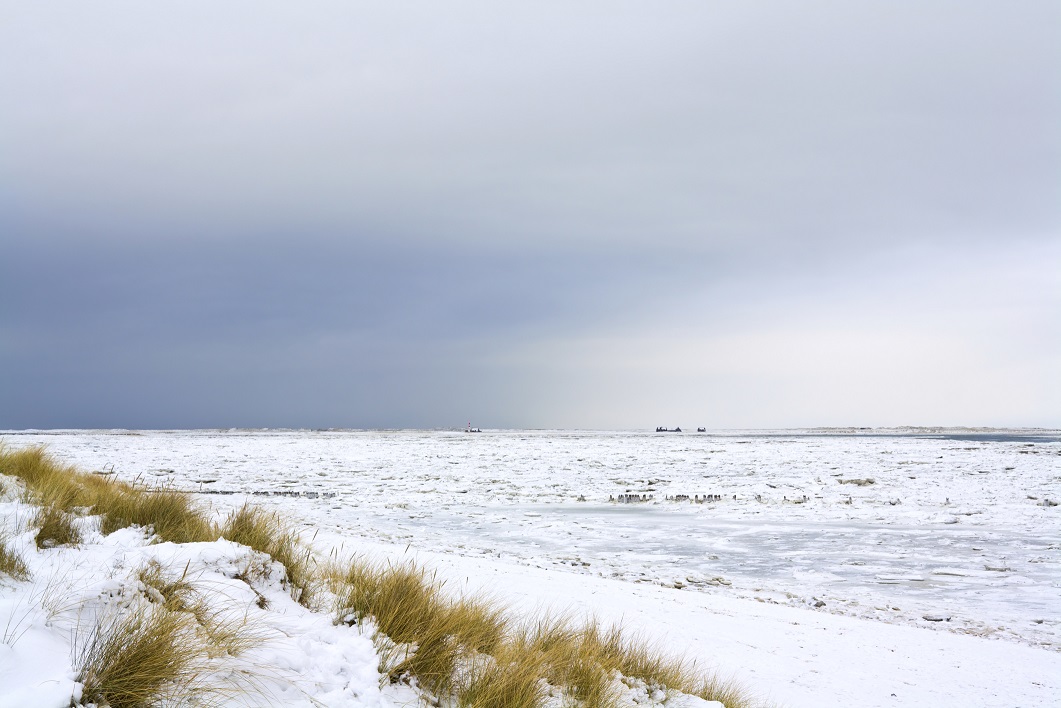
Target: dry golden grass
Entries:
(635, 656)
(226, 633)
(48, 482)
(479, 623)
(176, 594)
(638, 657)
(449, 636)
(162, 651)
(29, 464)
(567, 660)
(468, 649)
(252, 527)
(147, 656)
(398, 598)
(713, 687)
(169, 513)
(270, 534)
(222, 631)
(508, 679)
(55, 527)
(11, 563)
(409, 610)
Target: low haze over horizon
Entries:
(530, 215)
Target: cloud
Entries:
(355, 214)
(707, 124)
(924, 336)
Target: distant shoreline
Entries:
(1046, 434)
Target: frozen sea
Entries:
(956, 531)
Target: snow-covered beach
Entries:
(871, 567)
(262, 263)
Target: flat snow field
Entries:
(915, 567)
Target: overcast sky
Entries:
(530, 214)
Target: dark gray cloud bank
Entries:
(533, 214)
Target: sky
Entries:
(530, 214)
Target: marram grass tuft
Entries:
(271, 535)
(11, 562)
(55, 527)
(470, 650)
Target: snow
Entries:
(812, 591)
(304, 657)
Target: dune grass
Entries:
(408, 608)
(270, 534)
(220, 631)
(567, 660)
(50, 483)
(11, 562)
(466, 649)
(55, 527)
(161, 650)
(470, 649)
(509, 678)
(176, 594)
(170, 514)
(140, 658)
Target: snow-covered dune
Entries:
(914, 567)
